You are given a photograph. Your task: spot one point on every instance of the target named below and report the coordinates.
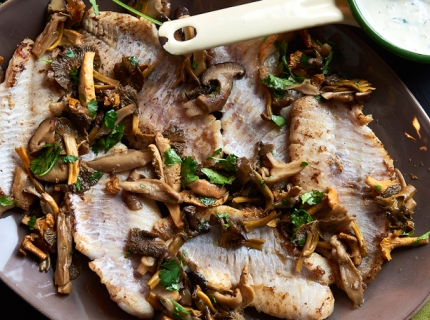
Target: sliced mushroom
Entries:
(153, 189)
(20, 182)
(207, 189)
(57, 174)
(232, 301)
(120, 161)
(67, 131)
(64, 252)
(49, 34)
(280, 171)
(87, 91)
(44, 134)
(246, 290)
(191, 198)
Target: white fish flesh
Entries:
(342, 150)
(24, 103)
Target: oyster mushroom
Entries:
(64, 249)
(120, 161)
(49, 34)
(280, 171)
(153, 189)
(23, 200)
(67, 131)
(207, 189)
(44, 134)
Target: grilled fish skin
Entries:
(341, 151)
(24, 103)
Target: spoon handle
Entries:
(253, 20)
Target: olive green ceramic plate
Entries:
(400, 288)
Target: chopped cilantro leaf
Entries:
(189, 170)
(115, 137)
(207, 201)
(312, 197)
(92, 107)
(262, 182)
(127, 254)
(276, 83)
(212, 95)
(69, 159)
(295, 78)
(327, 61)
(46, 159)
(74, 75)
(378, 188)
(78, 185)
(45, 60)
(218, 89)
(425, 236)
(70, 54)
(304, 164)
(225, 217)
(95, 176)
(320, 98)
(299, 218)
(230, 165)
(171, 157)
(194, 65)
(110, 118)
(280, 121)
(215, 177)
(95, 7)
(169, 275)
(304, 60)
(133, 60)
(32, 222)
(5, 202)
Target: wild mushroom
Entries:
(393, 240)
(67, 131)
(64, 252)
(207, 189)
(71, 38)
(231, 301)
(350, 278)
(86, 89)
(245, 288)
(120, 161)
(146, 262)
(280, 171)
(202, 201)
(23, 199)
(44, 134)
(153, 189)
(58, 173)
(261, 184)
(157, 7)
(310, 232)
(145, 243)
(49, 34)
(128, 72)
(222, 74)
(27, 245)
(353, 246)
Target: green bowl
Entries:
(355, 10)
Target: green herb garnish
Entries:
(276, 83)
(226, 219)
(378, 188)
(424, 237)
(45, 60)
(5, 202)
(215, 177)
(179, 311)
(194, 65)
(298, 218)
(46, 159)
(133, 60)
(327, 61)
(74, 75)
(189, 170)
(92, 107)
(70, 54)
(171, 157)
(95, 176)
(127, 254)
(32, 222)
(140, 14)
(95, 7)
(169, 275)
(69, 159)
(78, 185)
(207, 201)
(304, 164)
(312, 197)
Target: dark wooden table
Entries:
(416, 76)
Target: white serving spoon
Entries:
(253, 20)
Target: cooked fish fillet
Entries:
(342, 150)
(241, 121)
(24, 103)
(280, 291)
(102, 224)
(117, 35)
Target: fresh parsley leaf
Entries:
(95, 176)
(280, 121)
(133, 60)
(5, 202)
(110, 118)
(320, 98)
(78, 185)
(127, 254)
(212, 95)
(207, 201)
(95, 7)
(215, 177)
(218, 89)
(189, 170)
(295, 78)
(194, 65)
(179, 311)
(114, 137)
(327, 61)
(171, 157)
(69, 159)
(304, 60)
(169, 275)
(230, 164)
(45, 60)
(32, 222)
(74, 75)
(92, 107)
(276, 83)
(299, 218)
(304, 164)
(70, 54)
(425, 236)
(378, 187)
(280, 94)
(46, 159)
(226, 220)
(312, 197)
(282, 46)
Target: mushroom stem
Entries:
(268, 194)
(394, 241)
(230, 301)
(86, 81)
(257, 223)
(72, 150)
(28, 245)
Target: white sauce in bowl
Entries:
(406, 24)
